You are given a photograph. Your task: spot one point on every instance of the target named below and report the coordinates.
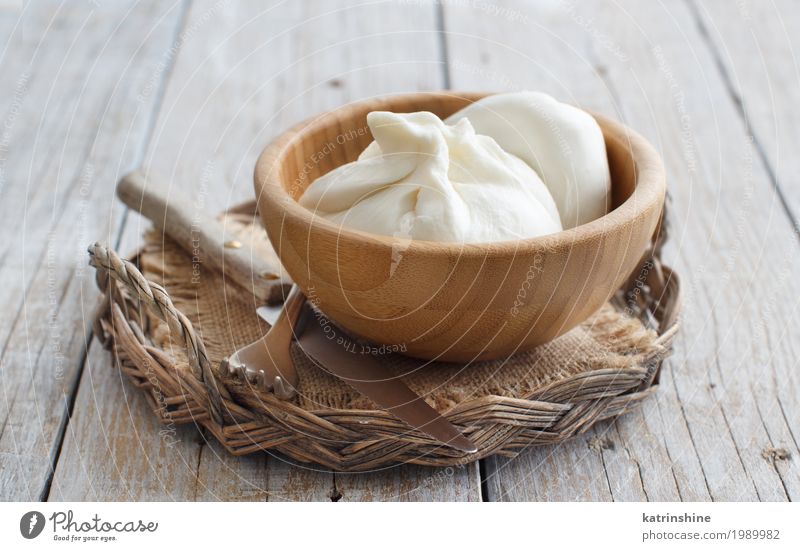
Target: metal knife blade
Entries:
(370, 377)
(270, 312)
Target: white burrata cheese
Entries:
(427, 180)
(562, 143)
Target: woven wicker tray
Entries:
(169, 344)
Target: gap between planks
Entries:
(738, 103)
(74, 386)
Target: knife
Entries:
(184, 219)
(371, 378)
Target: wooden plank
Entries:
(740, 271)
(72, 121)
(571, 471)
(134, 460)
(649, 66)
(411, 483)
(755, 47)
(236, 83)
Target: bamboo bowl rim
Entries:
(649, 186)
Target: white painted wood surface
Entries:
(71, 123)
(194, 89)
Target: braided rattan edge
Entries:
(349, 440)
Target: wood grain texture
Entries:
(416, 484)
(237, 82)
(542, 475)
(71, 119)
(757, 46)
(719, 411)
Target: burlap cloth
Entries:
(225, 318)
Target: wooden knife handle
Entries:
(199, 233)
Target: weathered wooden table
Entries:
(194, 89)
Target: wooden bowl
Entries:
(449, 301)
